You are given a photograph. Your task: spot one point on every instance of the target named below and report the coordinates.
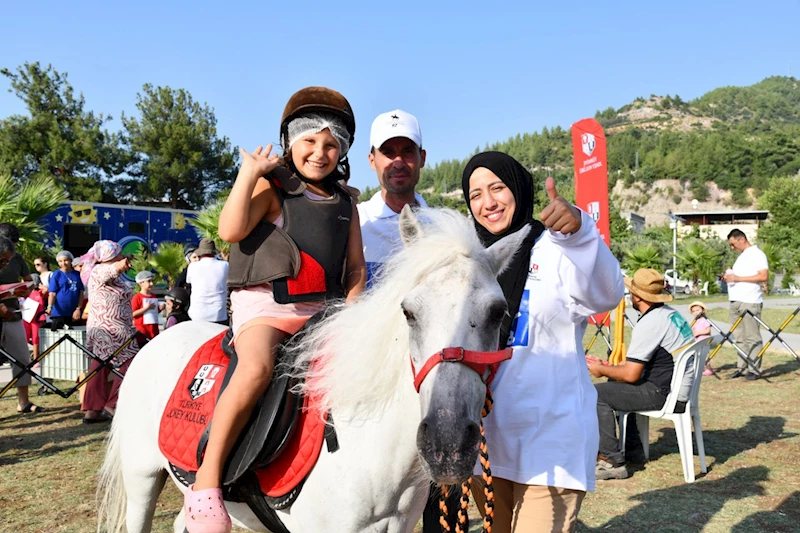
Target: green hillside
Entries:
(737, 137)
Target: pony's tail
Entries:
(111, 498)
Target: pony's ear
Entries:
(410, 230)
(501, 252)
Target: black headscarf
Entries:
(520, 182)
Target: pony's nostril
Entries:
(423, 431)
(473, 432)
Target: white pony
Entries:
(440, 291)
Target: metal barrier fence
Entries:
(604, 332)
(728, 337)
(599, 331)
(752, 362)
(66, 362)
(27, 369)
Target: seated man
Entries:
(642, 382)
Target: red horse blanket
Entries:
(191, 406)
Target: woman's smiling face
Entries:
(491, 201)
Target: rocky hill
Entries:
(721, 149)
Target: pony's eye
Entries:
(409, 315)
(496, 313)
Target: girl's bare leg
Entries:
(255, 348)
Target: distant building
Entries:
(635, 222)
(720, 223)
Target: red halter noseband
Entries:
(477, 361)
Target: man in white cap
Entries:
(396, 156)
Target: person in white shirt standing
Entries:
(744, 281)
(396, 155)
(208, 278)
(542, 433)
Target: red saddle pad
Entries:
(191, 406)
(300, 454)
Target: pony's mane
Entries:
(361, 353)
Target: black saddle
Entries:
(271, 424)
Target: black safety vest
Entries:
(305, 259)
(180, 316)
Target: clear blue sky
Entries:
(472, 72)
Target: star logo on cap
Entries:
(395, 118)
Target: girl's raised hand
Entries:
(259, 163)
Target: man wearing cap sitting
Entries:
(642, 382)
(396, 156)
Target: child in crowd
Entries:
(291, 215)
(38, 295)
(177, 301)
(701, 329)
(145, 306)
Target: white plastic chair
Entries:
(683, 421)
(793, 290)
(704, 290)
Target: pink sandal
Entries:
(205, 511)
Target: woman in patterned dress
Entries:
(109, 326)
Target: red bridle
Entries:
(477, 361)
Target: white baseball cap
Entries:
(393, 124)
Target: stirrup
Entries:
(205, 511)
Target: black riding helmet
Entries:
(320, 100)
(180, 296)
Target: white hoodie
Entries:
(543, 427)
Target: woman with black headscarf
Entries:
(542, 432)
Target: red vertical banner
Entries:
(591, 179)
(591, 173)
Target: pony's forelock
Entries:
(358, 358)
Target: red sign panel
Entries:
(591, 172)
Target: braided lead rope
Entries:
(443, 510)
(483, 454)
(462, 525)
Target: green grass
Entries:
(685, 299)
(752, 438)
(751, 432)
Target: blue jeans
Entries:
(614, 396)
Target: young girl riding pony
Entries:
(296, 243)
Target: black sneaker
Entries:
(606, 470)
(737, 374)
(750, 377)
(636, 456)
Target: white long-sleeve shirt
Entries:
(543, 427)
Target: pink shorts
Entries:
(254, 306)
